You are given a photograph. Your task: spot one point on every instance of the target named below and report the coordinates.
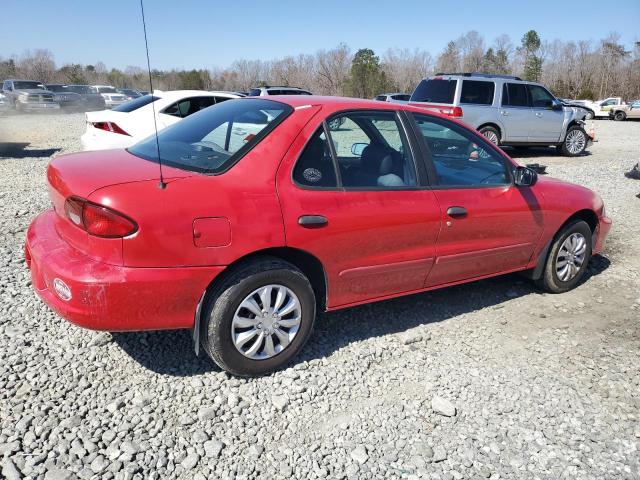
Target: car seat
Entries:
(314, 167)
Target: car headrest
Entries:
(386, 165)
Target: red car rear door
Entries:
(489, 225)
(352, 196)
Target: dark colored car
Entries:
(130, 93)
(92, 99)
(270, 210)
(64, 97)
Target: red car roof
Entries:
(344, 103)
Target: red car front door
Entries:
(489, 225)
(354, 199)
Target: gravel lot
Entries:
(486, 380)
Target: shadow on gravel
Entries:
(171, 352)
(533, 152)
(168, 352)
(19, 150)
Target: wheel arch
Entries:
(493, 125)
(587, 215)
(308, 264)
(572, 123)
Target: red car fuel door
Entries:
(351, 196)
(489, 225)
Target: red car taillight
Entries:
(109, 127)
(455, 112)
(98, 220)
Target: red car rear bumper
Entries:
(110, 297)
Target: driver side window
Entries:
(459, 158)
(540, 98)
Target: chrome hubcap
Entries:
(571, 256)
(491, 136)
(575, 141)
(266, 322)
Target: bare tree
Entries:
(38, 65)
(332, 70)
(405, 68)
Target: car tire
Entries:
(620, 116)
(575, 142)
(589, 116)
(224, 306)
(555, 278)
(491, 133)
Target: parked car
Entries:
(28, 95)
(600, 108)
(251, 233)
(91, 98)
(4, 104)
(393, 97)
(275, 90)
(130, 93)
(64, 97)
(506, 110)
(144, 92)
(130, 122)
(622, 112)
(589, 114)
(112, 98)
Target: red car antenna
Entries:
(161, 184)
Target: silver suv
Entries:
(271, 90)
(506, 110)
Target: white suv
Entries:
(269, 90)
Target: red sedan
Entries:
(272, 209)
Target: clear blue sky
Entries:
(203, 34)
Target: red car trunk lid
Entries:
(81, 174)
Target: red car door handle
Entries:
(312, 221)
(457, 212)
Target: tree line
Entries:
(571, 69)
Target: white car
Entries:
(4, 104)
(112, 97)
(600, 108)
(132, 121)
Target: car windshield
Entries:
(57, 88)
(435, 90)
(84, 89)
(212, 139)
(135, 104)
(28, 85)
(107, 90)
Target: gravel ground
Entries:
(487, 380)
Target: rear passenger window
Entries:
(315, 166)
(477, 92)
(515, 95)
(189, 106)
